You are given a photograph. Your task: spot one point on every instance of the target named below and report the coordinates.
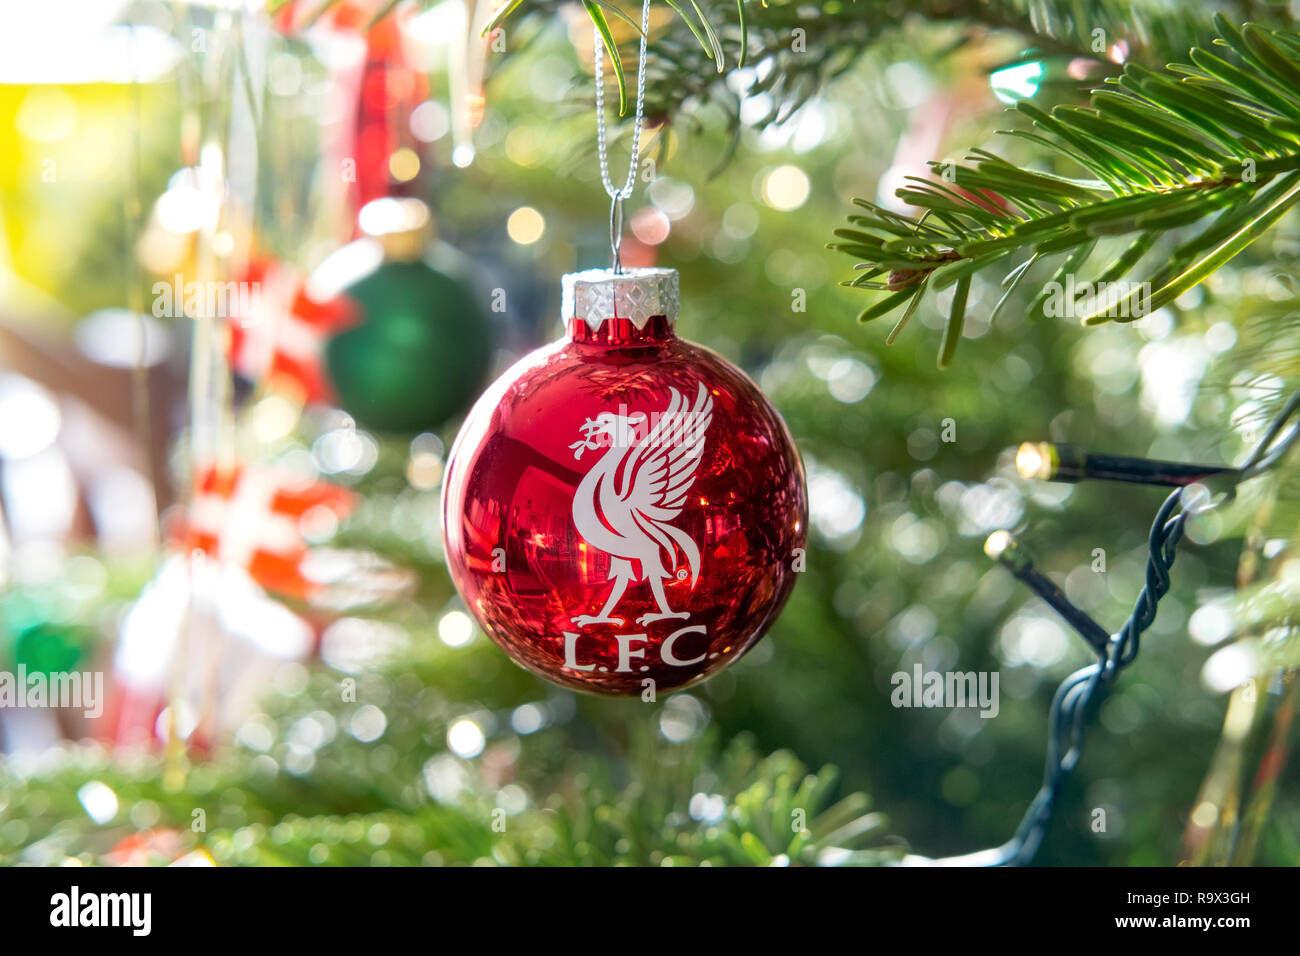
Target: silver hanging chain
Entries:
(616, 196)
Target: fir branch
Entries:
(1215, 139)
(644, 801)
(797, 48)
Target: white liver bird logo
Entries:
(627, 501)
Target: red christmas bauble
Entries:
(622, 504)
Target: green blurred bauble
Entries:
(421, 352)
(48, 648)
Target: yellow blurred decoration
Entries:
(65, 153)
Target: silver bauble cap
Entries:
(595, 295)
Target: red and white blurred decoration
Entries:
(280, 342)
(257, 518)
(195, 652)
(207, 635)
(383, 143)
(380, 59)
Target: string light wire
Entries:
(1069, 708)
